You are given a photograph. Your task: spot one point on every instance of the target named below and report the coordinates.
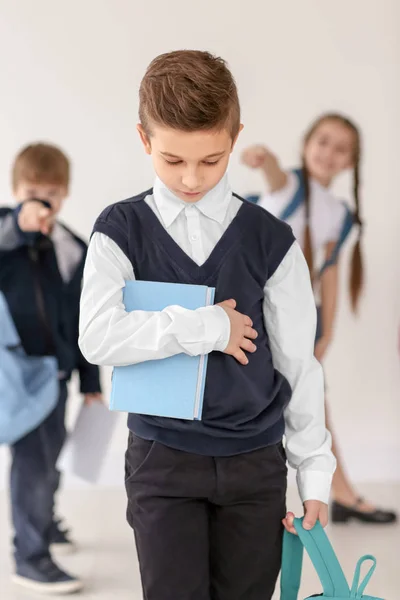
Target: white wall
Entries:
(70, 74)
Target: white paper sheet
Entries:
(86, 447)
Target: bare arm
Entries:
(259, 157)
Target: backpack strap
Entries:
(323, 558)
(292, 563)
(254, 198)
(297, 199)
(347, 226)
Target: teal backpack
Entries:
(326, 564)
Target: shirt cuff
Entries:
(217, 328)
(314, 485)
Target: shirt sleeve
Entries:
(109, 335)
(276, 202)
(290, 319)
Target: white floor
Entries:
(106, 558)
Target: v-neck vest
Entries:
(243, 405)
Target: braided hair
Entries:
(356, 272)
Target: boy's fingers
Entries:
(323, 515)
(44, 217)
(248, 345)
(250, 333)
(288, 523)
(288, 528)
(229, 303)
(311, 514)
(241, 357)
(323, 519)
(45, 226)
(44, 212)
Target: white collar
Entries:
(213, 205)
(58, 233)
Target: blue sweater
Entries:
(243, 406)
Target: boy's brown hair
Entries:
(41, 163)
(189, 90)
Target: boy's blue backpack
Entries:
(28, 385)
(326, 564)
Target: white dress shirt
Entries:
(111, 336)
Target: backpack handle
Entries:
(356, 589)
(322, 556)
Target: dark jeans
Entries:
(206, 528)
(34, 482)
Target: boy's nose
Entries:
(191, 181)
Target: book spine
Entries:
(111, 404)
(201, 381)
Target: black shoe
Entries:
(343, 514)
(59, 539)
(45, 577)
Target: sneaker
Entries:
(60, 542)
(45, 577)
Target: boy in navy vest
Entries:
(206, 499)
(41, 267)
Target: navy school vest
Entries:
(243, 405)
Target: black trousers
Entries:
(206, 528)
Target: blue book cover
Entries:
(171, 387)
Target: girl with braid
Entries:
(321, 223)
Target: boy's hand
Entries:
(257, 156)
(35, 217)
(314, 511)
(242, 333)
(92, 398)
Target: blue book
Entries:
(170, 387)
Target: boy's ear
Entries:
(237, 135)
(144, 138)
